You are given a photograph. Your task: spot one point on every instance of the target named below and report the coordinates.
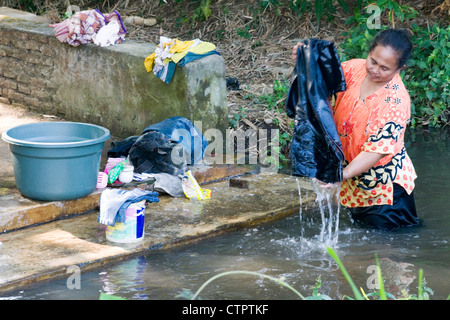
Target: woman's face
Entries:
(382, 64)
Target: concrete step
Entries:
(41, 240)
(18, 212)
(46, 251)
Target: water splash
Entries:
(300, 197)
(302, 231)
(328, 202)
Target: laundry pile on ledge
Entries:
(172, 52)
(91, 26)
(102, 29)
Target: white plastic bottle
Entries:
(126, 175)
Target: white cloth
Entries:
(112, 203)
(107, 35)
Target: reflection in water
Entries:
(295, 248)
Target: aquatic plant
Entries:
(280, 281)
(359, 294)
(424, 292)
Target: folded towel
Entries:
(114, 203)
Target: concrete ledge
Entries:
(107, 86)
(18, 212)
(46, 251)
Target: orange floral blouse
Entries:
(376, 124)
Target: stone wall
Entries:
(26, 65)
(107, 86)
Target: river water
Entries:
(295, 250)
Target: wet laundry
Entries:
(91, 26)
(165, 147)
(316, 149)
(114, 203)
(171, 52)
(165, 183)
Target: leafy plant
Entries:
(396, 10)
(203, 11)
(235, 118)
(320, 8)
(276, 99)
(428, 75)
(359, 37)
(244, 32)
(316, 295)
(363, 30)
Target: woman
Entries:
(371, 116)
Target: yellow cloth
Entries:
(201, 48)
(177, 50)
(180, 46)
(174, 46)
(149, 62)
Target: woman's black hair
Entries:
(398, 40)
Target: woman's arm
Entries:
(361, 163)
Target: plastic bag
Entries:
(111, 163)
(114, 172)
(192, 189)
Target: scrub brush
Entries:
(102, 180)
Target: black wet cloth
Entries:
(152, 153)
(121, 148)
(164, 147)
(316, 149)
(389, 217)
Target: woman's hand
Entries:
(362, 163)
(325, 185)
(294, 50)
